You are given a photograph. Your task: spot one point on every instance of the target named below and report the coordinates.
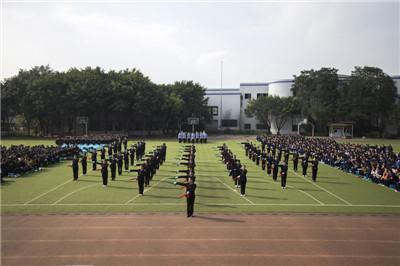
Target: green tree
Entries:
(368, 99)
(316, 92)
(262, 109)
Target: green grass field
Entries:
(53, 191)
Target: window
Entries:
(261, 126)
(229, 123)
(294, 128)
(213, 110)
(247, 96)
(247, 126)
(261, 95)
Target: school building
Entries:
(227, 105)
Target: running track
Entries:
(206, 239)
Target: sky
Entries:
(171, 41)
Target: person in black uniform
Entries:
(141, 178)
(75, 167)
(104, 172)
(284, 169)
(295, 161)
(275, 168)
(132, 156)
(190, 195)
(263, 160)
(314, 169)
(126, 160)
(113, 167)
(94, 159)
(119, 163)
(304, 165)
(269, 164)
(84, 164)
(103, 153)
(243, 181)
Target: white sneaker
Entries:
(241, 195)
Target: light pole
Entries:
(220, 98)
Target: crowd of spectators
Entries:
(19, 159)
(91, 139)
(380, 164)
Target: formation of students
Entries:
(19, 159)
(149, 166)
(91, 139)
(380, 164)
(192, 137)
(188, 174)
(236, 170)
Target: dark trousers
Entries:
(243, 186)
(76, 173)
(304, 171)
(274, 175)
(126, 165)
(141, 185)
(263, 165)
(283, 180)
(84, 169)
(190, 206)
(113, 174)
(119, 169)
(295, 166)
(314, 174)
(94, 166)
(105, 178)
(147, 180)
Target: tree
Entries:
(316, 92)
(368, 99)
(261, 108)
(282, 109)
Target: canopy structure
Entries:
(341, 130)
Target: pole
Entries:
(220, 101)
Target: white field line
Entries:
(215, 204)
(45, 193)
(336, 196)
(73, 192)
(146, 190)
(252, 203)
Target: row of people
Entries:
(235, 169)
(19, 159)
(188, 159)
(271, 158)
(192, 137)
(379, 164)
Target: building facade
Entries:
(228, 105)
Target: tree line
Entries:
(49, 102)
(367, 97)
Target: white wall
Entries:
(253, 89)
(230, 103)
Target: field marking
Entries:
(45, 193)
(336, 196)
(308, 194)
(203, 239)
(146, 190)
(73, 192)
(216, 204)
(201, 255)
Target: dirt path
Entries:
(207, 239)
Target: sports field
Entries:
(52, 190)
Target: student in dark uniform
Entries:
(75, 167)
(269, 164)
(103, 153)
(295, 161)
(140, 179)
(263, 160)
(126, 160)
(190, 195)
(94, 159)
(304, 165)
(84, 164)
(132, 156)
(243, 181)
(275, 168)
(119, 163)
(113, 168)
(314, 169)
(104, 172)
(284, 169)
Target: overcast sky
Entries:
(257, 42)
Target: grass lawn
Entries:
(53, 191)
